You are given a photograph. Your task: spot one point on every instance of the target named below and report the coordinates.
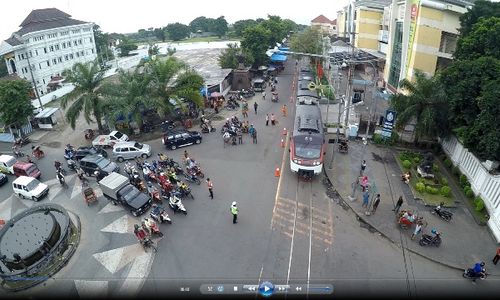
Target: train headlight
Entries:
(295, 160)
(316, 163)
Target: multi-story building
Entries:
(423, 36)
(48, 42)
(326, 26)
(360, 22)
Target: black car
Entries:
(180, 138)
(3, 179)
(92, 163)
(84, 151)
(134, 200)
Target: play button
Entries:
(266, 289)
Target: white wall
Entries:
(484, 184)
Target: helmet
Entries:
(136, 226)
(154, 205)
(433, 231)
(150, 184)
(234, 203)
(482, 264)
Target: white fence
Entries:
(482, 182)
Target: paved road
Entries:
(288, 231)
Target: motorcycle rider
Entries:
(172, 176)
(99, 175)
(183, 187)
(437, 234)
(60, 177)
(57, 165)
(139, 233)
(478, 270)
(162, 157)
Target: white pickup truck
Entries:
(108, 140)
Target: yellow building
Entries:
(423, 36)
(366, 27)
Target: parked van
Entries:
(7, 163)
(22, 168)
(29, 188)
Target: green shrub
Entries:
(404, 155)
(443, 157)
(447, 162)
(379, 139)
(445, 191)
(406, 164)
(431, 190)
(416, 160)
(444, 181)
(479, 204)
(463, 181)
(435, 168)
(420, 186)
(456, 171)
(469, 194)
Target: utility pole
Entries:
(33, 81)
(349, 88)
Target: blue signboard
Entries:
(390, 117)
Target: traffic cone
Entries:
(284, 131)
(277, 172)
(282, 143)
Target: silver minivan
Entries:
(130, 150)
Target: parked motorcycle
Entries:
(37, 152)
(175, 203)
(167, 125)
(89, 134)
(22, 141)
(159, 214)
(428, 240)
(192, 178)
(444, 214)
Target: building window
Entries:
(31, 54)
(51, 48)
(43, 81)
(48, 64)
(76, 31)
(36, 52)
(92, 50)
(57, 47)
(22, 55)
(90, 40)
(64, 33)
(395, 68)
(66, 57)
(80, 41)
(45, 49)
(40, 66)
(448, 42)
(71, 56)
(75, 43)
(59, 59)
(77, 54)
(64, 45)
(82, 53)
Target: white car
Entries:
(131, 150)
(108, 140)
(29, 188)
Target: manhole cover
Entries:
(53, 144)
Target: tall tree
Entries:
(15, 103)
(102, 44)
(153, 49)
(277, 29)
(483, 136)
(3, 69)
(228, 59)
(482, 40)
(423, 100)
(126, 46)
(256, 42)
(308, 41)
(220, 26)
(85, 96)
(241, 25)
(177, 31)
(480, 9)
(160, 34)
(200, 23)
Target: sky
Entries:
(125, 16)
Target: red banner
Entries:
(320, 70)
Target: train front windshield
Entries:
(307, 147)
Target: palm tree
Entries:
(87, 79)
(423, 103)
(128, 96)
(171, 79)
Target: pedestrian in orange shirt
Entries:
(497, 256)
(283, 110)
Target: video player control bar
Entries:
(266, 289)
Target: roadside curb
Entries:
(362, 219)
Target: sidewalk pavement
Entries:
(464, 242)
